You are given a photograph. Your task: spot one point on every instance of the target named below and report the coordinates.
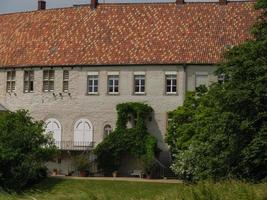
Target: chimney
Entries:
(93, 4)
(41, 5)
(178, 2)
(222, 2)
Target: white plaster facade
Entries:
(100, 109)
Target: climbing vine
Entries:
(136, 141)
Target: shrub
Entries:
(23, 150)
(136, 141)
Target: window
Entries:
(11, 81)
(139, 84)
(113, 84)
(83, 133)
(171, 83)
(107, 130)
(93, 83)
(201, 79)
(52, 126)
(65, 81)
(221, 78)
(48, 80)
(28, 81)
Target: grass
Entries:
(59, 189)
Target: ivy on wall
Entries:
(136, 141)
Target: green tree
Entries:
(222, 132)
(23, 150)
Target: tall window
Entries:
(48, 80)
(28, 81)
(107, 130)
(83, 133)
(171, 84)
(65, 81)
(93, 84)
(139, 84)
(201, 79)
(113, 84)
(11, 81)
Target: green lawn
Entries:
(55, 189)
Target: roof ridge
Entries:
(75, 6)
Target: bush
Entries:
(23, 150)
(136, 141)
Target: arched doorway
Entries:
(83, 133)
(53, 126)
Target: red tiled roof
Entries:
(124, 34)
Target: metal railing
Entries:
(74, 146)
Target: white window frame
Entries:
(93, 76)
(139, 77)
(113, 77)
(86, 140)
(11, 81)
(28, 80)
(171, 76)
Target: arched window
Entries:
(83, 133)
(53, 126)
(107, 130)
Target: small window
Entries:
(113, 84)
(201, 79)
(107, 130)
(171, 84)
(65, 81)
(11, 81)
(92, 84)
(139, 84)
(28, 81)
(48, 80)
(221, 78)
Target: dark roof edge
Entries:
(101, 65)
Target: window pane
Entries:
(51, 86)
(26, 76)
(13, 86)
(26, 86)
(51, 74)
(46, 86)
(31, 75)
(143, 89)
(31, 86)
(46, 75)
(168, 89)
(65, 86)
(65, 75)
(13, 75)
(116, 89)
(8, 87)
(9, 76)
(95, 89)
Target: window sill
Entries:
(92, 94)
(171, 94)
(139, 93)
(113, 93)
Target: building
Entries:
(70, 67)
